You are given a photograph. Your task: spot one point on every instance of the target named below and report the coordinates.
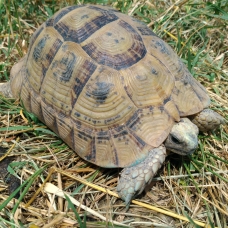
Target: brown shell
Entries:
(106, 84)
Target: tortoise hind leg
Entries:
(12, 88)
(17, 75)
(208, 120)
(5, 89)
(134, 179)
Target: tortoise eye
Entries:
(175, 140)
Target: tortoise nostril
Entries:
(175, 140)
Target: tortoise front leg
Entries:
(208, 120)
(134, 179)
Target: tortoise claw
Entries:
(134, 179)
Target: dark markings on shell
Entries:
(34, 37)
(154, 71)
(162, 47)
(50, 22)
(139, 140)
(67, 33)
(77, 124)
(103, 136)
(119, 61)
(51, 54)
(37, 52)
(27, 73)
(61, 117)
(129, 95)
(112, 119)
(185, 81)
(65, 11)
(166, 100)
(102, 133)
(62, 122)
(133, 120)
(180, 66)
(145, 31)
(131, 30)
(92, 155)
(72, 139)
(55, 47)
(64, 68)
(141, 77)
(121, 131)
(151, 109)
(140, 143)
(86, 70)
(84, 136)
(82, 33)
(36, 106)
(93, 150)
(161, 108)
(116, 162)
(49, 115)
(84, 16)
(186, 77)
(23, 71)
(77, 114)
(28, 90)
(100, 93)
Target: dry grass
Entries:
(195, 187)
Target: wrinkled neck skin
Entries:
(183, 138)
(16, 77)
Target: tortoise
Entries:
(112, 90)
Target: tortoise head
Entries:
(183, 138)
(16, 77)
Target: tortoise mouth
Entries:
(182, 152)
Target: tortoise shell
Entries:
(106, 84)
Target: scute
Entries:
(148, 82)
(106, 84)
(79, 26)
(40, 56)
(66, 77)
(188, 94)
(103, 103)
(117, 45)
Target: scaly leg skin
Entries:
(5, 89)
(134, 179)
(12, 88)
(208, 120)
